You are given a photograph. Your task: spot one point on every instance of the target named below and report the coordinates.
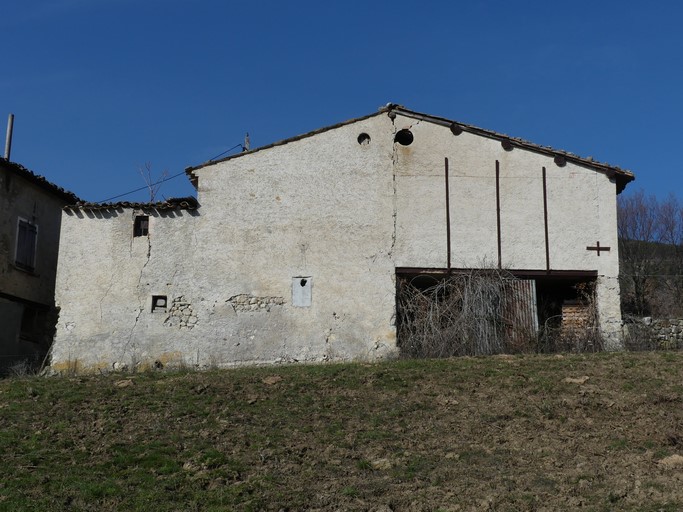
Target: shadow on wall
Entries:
(25, 337)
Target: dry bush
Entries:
(461, 315)
(482, 312)
(577, 340)
(22, 366)
(639, 336)
(651, 254)
(647, 334)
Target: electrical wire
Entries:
(141, 188)
(240, 145)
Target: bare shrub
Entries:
(556, 339)
(21, 368)
(24, 367)
(153, 184)
(639, 336)
(484, 312)
(651, 254)
(463, 314)
(648, 334)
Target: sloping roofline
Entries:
(172, 203)
(621, 176)
(40, 181)
(193, 178)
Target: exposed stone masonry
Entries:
(660, 333)
(668, 332)
(244, 302)
(181, 314)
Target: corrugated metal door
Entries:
(520, 313)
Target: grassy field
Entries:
(599, 431)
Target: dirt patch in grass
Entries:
(600, 431)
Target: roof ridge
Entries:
(623, 176)
(498, 135)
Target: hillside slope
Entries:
(602, 431)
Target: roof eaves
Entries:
(622, 176)
(173, 203)
(38, 180)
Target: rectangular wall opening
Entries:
(141, 225)
(159, 303)
(444, 313)
(567, 312)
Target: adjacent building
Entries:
(30, 222)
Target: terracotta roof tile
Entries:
(173, 203)
(40, 181)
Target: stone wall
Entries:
(654, 334)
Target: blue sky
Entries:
(100, 87)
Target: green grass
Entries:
(408, 434)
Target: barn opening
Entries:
(443, 313)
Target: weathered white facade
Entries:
(294, 250)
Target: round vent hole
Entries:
(404, 137)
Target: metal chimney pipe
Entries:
(8, 140)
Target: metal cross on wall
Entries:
(597, 248)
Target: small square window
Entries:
(141, 225)
(159, 303)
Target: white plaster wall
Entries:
(581, 211)
(105, 282)
(581, 205)
(421, 196)
(320, 208)
(340, 214)
(521, 208)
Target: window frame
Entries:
(138, 229)
(20, 263)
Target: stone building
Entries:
(30, 220)
(293, 250)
